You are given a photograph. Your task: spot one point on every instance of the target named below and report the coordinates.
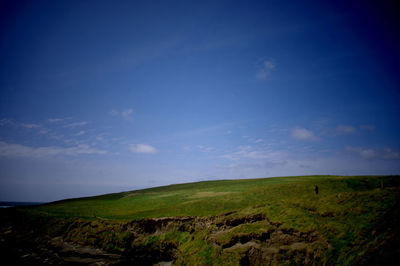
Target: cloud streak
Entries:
(266, 69)
(367, 127)
(30, 125)
(369, 153)
(5, 122)
(18, 150)
(142, 148)
(76, 124)
(248, 152)
(345, 130)
(203, 148)
(125, 114)
(80, 133)
(56, 120)
(300, 133)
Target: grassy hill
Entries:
(352, 220)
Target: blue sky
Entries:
(106, 96)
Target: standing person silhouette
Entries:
(316, 189)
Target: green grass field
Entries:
(269, 195)
(345, 223)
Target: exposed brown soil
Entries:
(22, 244)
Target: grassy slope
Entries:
(348, 211)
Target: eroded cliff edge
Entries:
(230, 238)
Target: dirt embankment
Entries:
(75, 242)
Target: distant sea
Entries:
(7, 204)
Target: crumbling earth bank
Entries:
(160, 241)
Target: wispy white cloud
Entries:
(247, 161)
(5, 121)
(248, 152)
(114, 112)
(56, 120)
(76, 124)
(300, 133)
(199, 148)
(390, 154)
(365, 153)
(103, 137)
(142, 148)
(307, 165)
(43, 131)
(10, 122)
(57, 137)
(369, 153)
(18, 150)
(345, 130)
(341, 130)
(265, 70)
(80, 133)
(203, 148)
(30, 125)
(126, 114)
(39, 128)
(367, 127)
